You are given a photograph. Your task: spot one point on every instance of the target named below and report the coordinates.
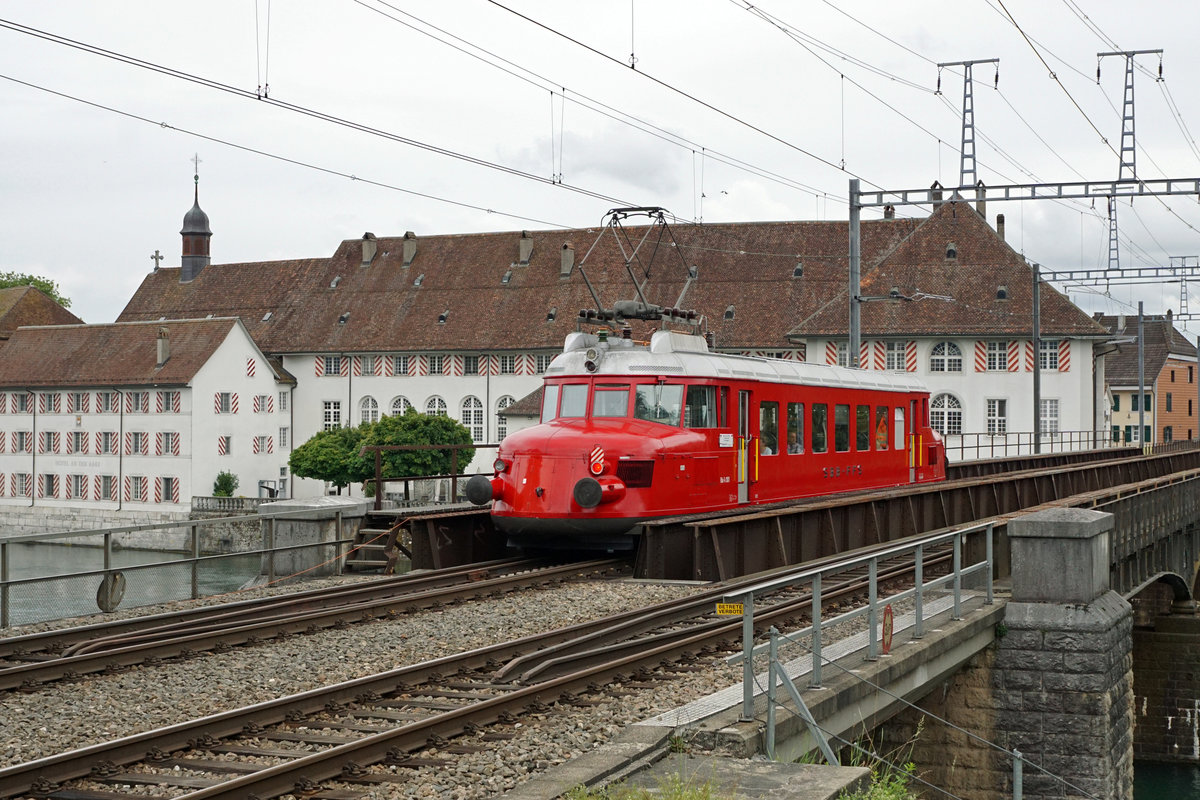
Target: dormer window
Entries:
(266, 316)
(1001, 292)
(442, 317)
(552, 314)
(693, 271)
(333, 283)
(729, 313)
(798, 270)
(507, 277)
(420, 278)
(343, 318)
(951, 251)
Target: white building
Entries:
(138, 417)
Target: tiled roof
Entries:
(528, 406)
(27, 305)
(119, 354)
(336, 305)
(965, 289)
(1160, 340)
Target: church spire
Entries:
(196, 234)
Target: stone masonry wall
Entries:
(214, 539)
(1063, 689)
(1166, 703)
(947, 756)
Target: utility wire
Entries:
(309, 112)
(285, 159)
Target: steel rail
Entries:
(122, 652)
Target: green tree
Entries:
(225, 484)
(413, 428)
(332, 456)
(48, 287)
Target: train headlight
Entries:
(500, 465)
(596, 460)
(591, 359)
(596, 467)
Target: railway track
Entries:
(374, 729)
(29, 661)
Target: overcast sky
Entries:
(730, 115)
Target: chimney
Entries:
(526, 249)
(1120, 323)
(889, 211)
(981, 199)
(568, 260)
(935, 194)
(410, 248)
(370, 247)
(164, 347)
(1000, 226)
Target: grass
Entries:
(671, 788)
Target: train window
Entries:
(574, 400)
(820, 428)
(768, 428)
(862, 428)
(722, 415)
(881, 428)
(550, 402)
(841, 427)
(701, 408)
(899, 428)
(611, 400)
(795, 428)
(659, 402)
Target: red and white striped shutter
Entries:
(4, 441)
(257, 404)
(528, 365)
(13, 483)
(802, 352)
(97, 487)
(880, 355)
(175, 444)
(175, 491)
(83, 488)
(831, 352)
(145, 486)
(270, 404)
(83, 444)
(378, 366)
(1014, 356)
(158, 485)
(1029, 356)
(99, 444)
(158, 444)
(250, 366)
(422, 365)
(318, 366)
(456, 366)
(980, 357)
(3, 484)
(3, 402)
(389, 366)
(56, 398)
(910, 356)
(1064, 355)
(270, 444)
(158, 402)
(233, 402)
(863, 360)
(254, 445)
(216, 402)
(86, 399)
(220, 445)
(493, 364)
(176, 401)
(356, 366)
(128, 443)
(56, 441)
(55, 480)
(67, 493)
(345, 370)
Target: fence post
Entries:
(4, 591)
(1018, 776)
(195, 560)
(919, 586)
(872, 611)
(773, 664)
(990, 568)
(815, 677)
(957, 576)
(748, 658)
(270, 548)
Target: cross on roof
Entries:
(196, 163)
(156, 258)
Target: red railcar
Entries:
(630, 433)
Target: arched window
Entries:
(501, 420)
(368, 409)
(471, 416)
(946, 357)
(400, 406)
(945, 415)
(435, 407)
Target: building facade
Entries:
(1166, 407)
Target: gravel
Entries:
(66, 715)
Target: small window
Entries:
(470, 365)
(881, 427)
(820, 428)
(550, 403)
(542, 362)
(611, 400)
(1116, 406)
(798, 271)
(471, 416)
(1167, 398)
(574, 400)
(729, 313)
(368, 409)
(768, 428)
(283, 438)
(841, 427)
(436, 407)
(437, 365)
(400, 365)
(659, 402)
(951, 250)
(508, 365)
(862, 428)
(400, 406)
(283, 401)
(700, 410)
(331, 414)
(795, 428)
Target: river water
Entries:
(145, 584)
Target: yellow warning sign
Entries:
(730, 609)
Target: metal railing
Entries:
(917, 546)
(178, 578)
(977, 446)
